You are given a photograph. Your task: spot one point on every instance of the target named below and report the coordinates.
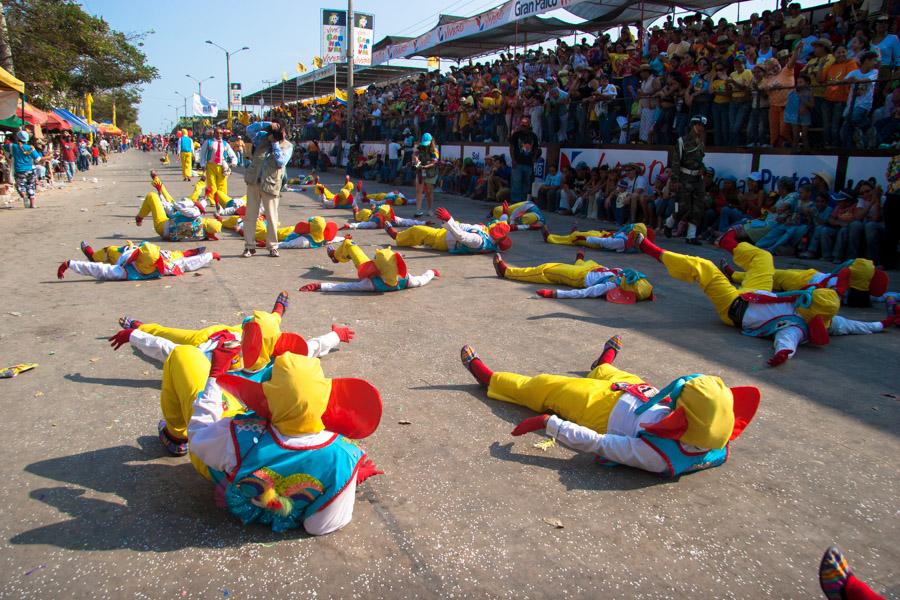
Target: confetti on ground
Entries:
(95, 359)
(14, 313)
(38, 394)
(553, 522)
(545, 444)
(404, 422)
(34, 570)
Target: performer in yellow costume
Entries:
(791, 318)
(180, 220)
(856, 281)
(385, 273)
(343, 199)
(217, 158)
(684, 427)
(599, 239)
(455, 237)
(186, 354)
(379, 216)
(593, 280)
(136, 262)
(186, 154)
(520, 216)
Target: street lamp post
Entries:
(177, 108)
(200, 82)
(228, 55)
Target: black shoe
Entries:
(693, 241)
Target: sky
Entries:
(280, 33)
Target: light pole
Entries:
(185, 101)
(177, 108)
(200, 82)
(228, 54)
(268, 83)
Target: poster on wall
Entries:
(653, 161)
(363, 38)
(334, 32)
(864, 167)
(234, 95)
(730, 164)
(451, 152)
(374, 148)
(800, 168)
(476, 153)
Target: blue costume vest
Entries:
(312, 242)
(280, 486)
(381, 286)
(135, 275)
(487, 244)
(680, 460)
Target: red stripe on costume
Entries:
(669, 470)
(299, 448)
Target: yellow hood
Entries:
(297, 394)
(260, 334)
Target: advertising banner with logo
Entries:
(653, 161)
(204, 107)
(234, 95)
(363, 38)
(506, 13)
(451, 152)
(334, 35)
(730, 164)
(476, 153)
(863, 167)
(800, 168)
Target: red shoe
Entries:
(61, 271)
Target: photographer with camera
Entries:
(270, 153)
(425, 159)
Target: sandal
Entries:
(273, 252)
(248, 252)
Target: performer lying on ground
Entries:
(598, 239)
(312, 233)
(136, 262)
(455, 238)
(791, 318)
(856, 281)
(343, 199)
(157, 341)
(621, 286)
(178, 221)
(394, 198)
(684, 427)
(838, 581)
(378, 217)
(385, 273)
(520, 216)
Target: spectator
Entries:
(798, 112)
(867, 226)
(758, 121)
(425, 159)
(270, 153)
(647, 98)
(739, 106)
(835, 248)
(524, 149)
(24, 159)
(887, 46)
(835, 96)
(721, 90)
(498, 180)
(859, 103)
(819, 230)
(816, 68)
(67, 152)
(548, 193)
(779, 84)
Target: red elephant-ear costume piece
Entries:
(620, 296)
(367, 270)
(746, 401)
(249, 393)
(499, 231)
(301, 228)
(291, 342)
(330, 231)
(879, 283)
(241, 211)
(354, 408)
(672, 427)
(818, 333)
(251, 343)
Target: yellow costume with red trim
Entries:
(343, 199)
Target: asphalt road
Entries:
(93, 507)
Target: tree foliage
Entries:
(62, 52)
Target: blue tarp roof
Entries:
(78, 124)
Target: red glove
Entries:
(436, 272)
(216, 256)
(779, 357)
(505, 207)
(344, 226)
(891, 320)
(345, 334)
(122, 337)
(311, 287)
(138, 221)
(223, 357)
(547, 293)
(61, 271)
(443, 214)
(531, 424)
(367, 469)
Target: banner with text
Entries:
(204, 107)
(363, 38)
(652, 161)
(234, 96)
(730, 164)
(798, 167)
(334, 34)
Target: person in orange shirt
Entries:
(835, 96)
(779, 83)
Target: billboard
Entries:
(334, 35)
(363, 38)
(234, 95)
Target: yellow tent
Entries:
(9, 82)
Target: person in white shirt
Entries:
(684, 427)
(857, 114)
(394, 150)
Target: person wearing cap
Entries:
(136, 262)
(686, 426)
(856, 280)
(591, 280)
(647, 94)
(186, 154)
(425, 159)
(790, 318)
(816, 68)
(524, 150)
(455, 237)
(687, 168)
(385, 273)
(740, 80)
(24, 158)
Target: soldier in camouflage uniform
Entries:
(687, 168)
